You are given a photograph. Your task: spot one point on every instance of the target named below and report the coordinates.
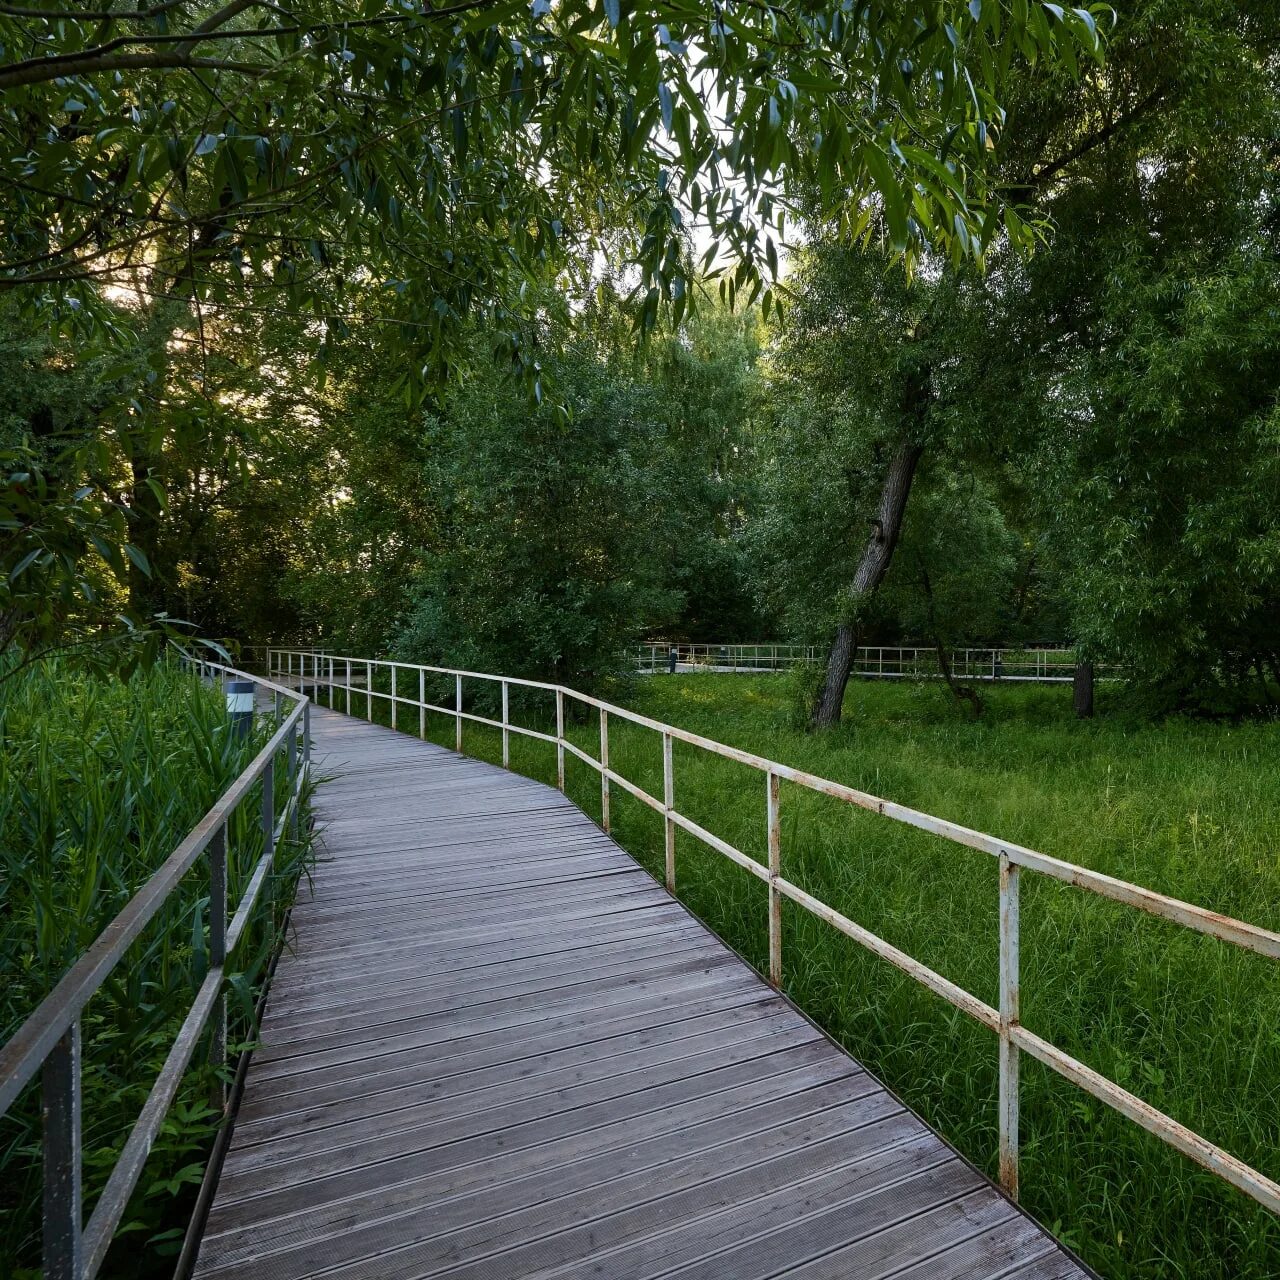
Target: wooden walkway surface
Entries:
(499, 1049)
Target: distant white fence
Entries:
(1044, 664)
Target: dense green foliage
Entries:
(1114, 395)
(99, 781)
(1188, 808)
(251, 151)
(499, 335)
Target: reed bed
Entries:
(99, 781)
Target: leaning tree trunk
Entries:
(876, 558)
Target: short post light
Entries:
(240, 706)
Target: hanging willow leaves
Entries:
(254, 152)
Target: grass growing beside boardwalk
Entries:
(1190, 1024)
(99, 781)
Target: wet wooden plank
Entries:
(498, 1048)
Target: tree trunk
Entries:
(1083, 690)
(961, 692)
(877, 555)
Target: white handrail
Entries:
(320, 670)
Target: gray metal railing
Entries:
(49, 1040)
(354, 677)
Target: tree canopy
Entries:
(249, 153)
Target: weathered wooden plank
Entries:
(570, 1047)
(498, 1048)
(648, 1141)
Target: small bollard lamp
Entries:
(240, 706)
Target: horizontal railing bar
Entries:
(249, 899)
(639, 792)
(453, 714)
(720, 846)
(114, 1199)
(240, 921)
(977, 1009)
(1205, 1153)
(21, 1057)
(1252, 937)
(582, 755)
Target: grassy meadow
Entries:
(99, 781)
(1191, 809)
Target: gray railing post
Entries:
(348, 661)
(1009, 1001)
(669, 804)
(368, 689)
(422, 703)
(772, 796)
(604, 769)
(457, 710)
(291, 767)
(63, 1207)
(560, 738)
(218, 957)
(306, 741)
(269, 812)
(394, 717)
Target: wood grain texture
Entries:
(497, 1048)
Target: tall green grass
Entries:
(1190, 1024)
(99, 781)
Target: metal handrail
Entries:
(320, 670)
(49, 1040)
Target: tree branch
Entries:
(37, 70)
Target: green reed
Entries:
(99, 781)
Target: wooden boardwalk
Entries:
(499, 1049)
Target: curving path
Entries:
(499, 1049)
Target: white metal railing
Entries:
(49, 1040)
(354, 678)
(1035, 663)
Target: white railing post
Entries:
(669, 804)
(368, 690)
(560, 738)
(604, 769)
(772, 796)
(393, 696)
(348, 686)
(506, 725)
(422, 703)
(1008, 1019)
(457, 713)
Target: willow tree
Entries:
(188, 158)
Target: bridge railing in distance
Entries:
(353, 678)
(1041, 664)
(49, 1040)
